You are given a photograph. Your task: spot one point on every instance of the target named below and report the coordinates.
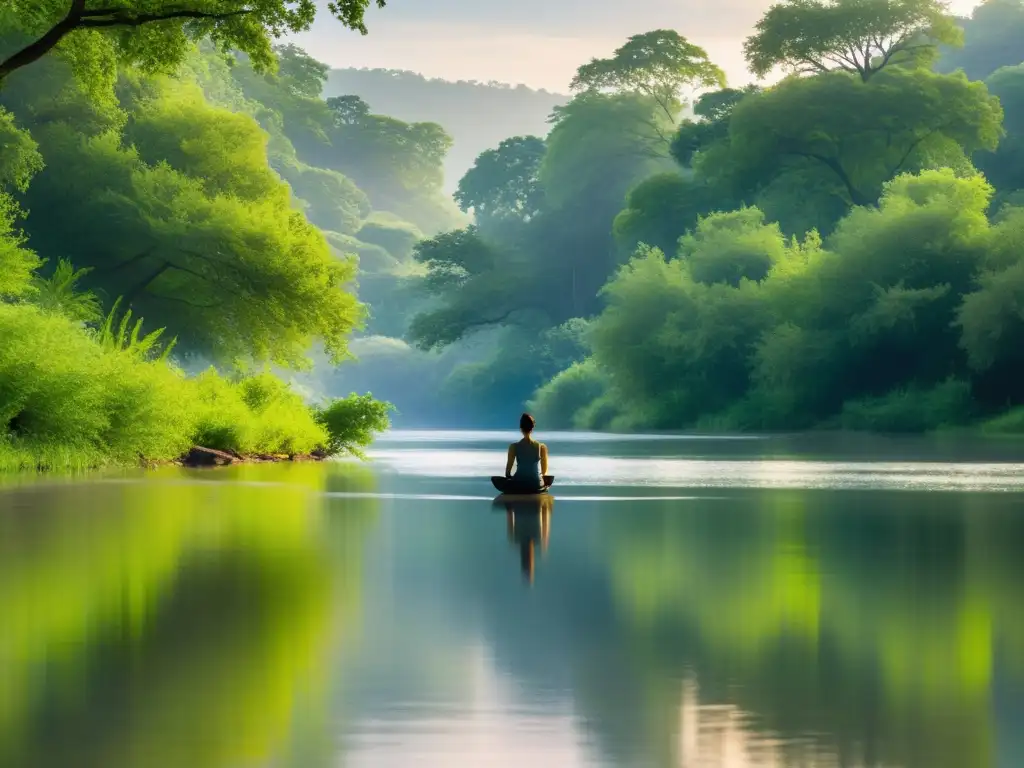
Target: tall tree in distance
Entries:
(657, 64)
(857, 36)
(156, 34)
(504, 182)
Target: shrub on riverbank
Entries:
(911, 409)
(257, 414)
(564, 402)
(74, 398)
(351, 422)
(67, 400)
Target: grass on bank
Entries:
(74, 398)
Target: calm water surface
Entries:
(687, 602)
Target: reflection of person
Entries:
(529, 457)
(528, 522)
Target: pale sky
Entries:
(536, 42)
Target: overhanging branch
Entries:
(123, 18)
(79, 17)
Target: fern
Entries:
(59, 293)
(132, 341)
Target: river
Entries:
(783, 602)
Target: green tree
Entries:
(398, 165)
(232, 278)
(713, 111)
(875, 311)
(173, 123)
(657, 64)
(627, 133)
(675, 349)
(473, 280)
(661, 209)
(299, 72)
(991, 320)
(563, 402)
(504, 182)
(862, 37)
(861, 134)
(333, 201)
(1004, 168)
(17, 263)
(156, 35)
(19, 162)
(732, 247)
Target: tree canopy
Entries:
(155, 35)
(657, 64)
(860, 133)
(504, 182)
(862, 37)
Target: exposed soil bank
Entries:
(199, 456)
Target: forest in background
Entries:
(478, 116)
(843, 248)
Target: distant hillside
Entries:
(477, 115)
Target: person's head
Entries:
(526, 424)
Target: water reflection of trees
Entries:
(857, 629)
(867, 622)
(169, 624)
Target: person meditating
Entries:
(529, 457)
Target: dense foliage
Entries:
(190, 199)
(842, 248)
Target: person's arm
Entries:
(543, 459)
(511, 460)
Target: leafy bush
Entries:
(559, 403)
(16, 261)
(255, 414)
(72, 398)
(1009, 423)
(911, 409)
(600, 414)
(351, 421)
(64, 398)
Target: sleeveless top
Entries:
(528, 463)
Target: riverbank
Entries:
(200, 456)
(256, 419)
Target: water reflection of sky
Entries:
(493, 722)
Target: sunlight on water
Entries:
(701, 473)
(489, 436)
